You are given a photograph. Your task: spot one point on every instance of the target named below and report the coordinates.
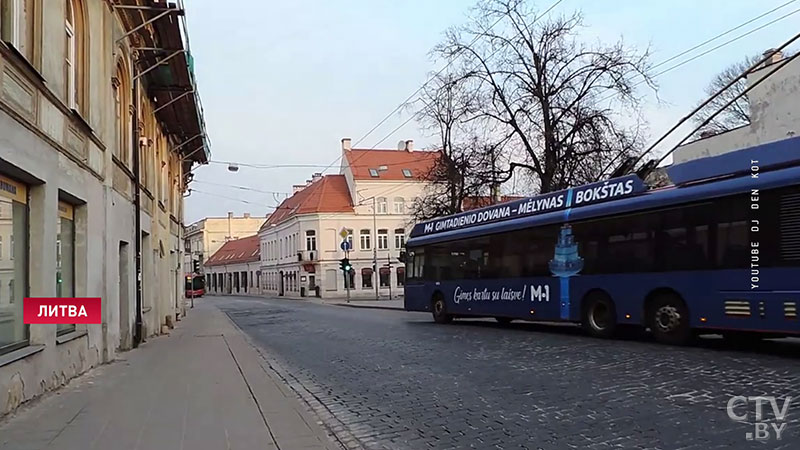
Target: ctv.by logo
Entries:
(763, 429)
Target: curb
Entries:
(350, 305)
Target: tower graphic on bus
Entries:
(565, 263)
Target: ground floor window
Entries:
(401, 276)
(65, 258)
(385, 276)
(13, 263)
(330, 279)
(366, 278)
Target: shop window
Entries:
(65, 258)
(14, 266)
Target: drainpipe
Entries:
(137, 331)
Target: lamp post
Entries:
(375, 246)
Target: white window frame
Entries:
(399, 205)
(382, 205)
(311, 240)
(399, 239)
(365, 239)
(16, 28)
(72, 102)
(383, 239)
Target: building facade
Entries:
(204, 237)
(370, 199)
(235, 269)
(773, 113)
(100, 123)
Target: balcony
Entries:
(307, 255)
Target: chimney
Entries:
(297, 188)
(308, 182)
(246, 215)
(316, 177)
(230, 214)
(345, 144)
(409, 145)
(774, 57)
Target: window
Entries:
(407, 173)
(373, 173)
(366, 239)
(385, 276)
(399, 238)
(382, 207)
(72, 50)
(13, 204)
(65, 258)
(399, 205)
(331, 275)
(366, 278)
(10, 24)
(311, 240)
(16, 25)
(401, 276)
(383, 239)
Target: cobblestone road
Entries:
(392, 379)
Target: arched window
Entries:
(122, 98)
(75, 57)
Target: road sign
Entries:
(345, 245)
(344, 233)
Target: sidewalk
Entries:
(374, 304)
(202, 387)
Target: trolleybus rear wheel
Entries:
(439, 307)
(669, 320)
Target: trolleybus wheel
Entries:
(669, 320)
(439, 307)
(599, 315)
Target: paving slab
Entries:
(202, 387)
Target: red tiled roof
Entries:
(476, 202)
(418, 162)
(329, 194)
(242, 250)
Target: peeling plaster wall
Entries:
(774, 115)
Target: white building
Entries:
(774, 114)
(235, 269)
(371, 198)
(204, 237)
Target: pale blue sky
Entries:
(283, 82)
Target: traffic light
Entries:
(344, 264)
(195, 266)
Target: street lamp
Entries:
(375, 237)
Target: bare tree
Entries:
(468, 165)
(549, 92)
(736, 115)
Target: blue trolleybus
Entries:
(717, 253)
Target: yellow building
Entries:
(100, 124)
